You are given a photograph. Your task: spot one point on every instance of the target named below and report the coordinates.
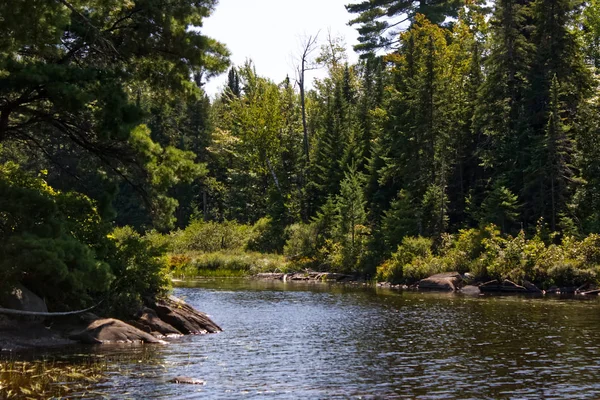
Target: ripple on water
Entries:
(315, 341)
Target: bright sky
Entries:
(270, 33)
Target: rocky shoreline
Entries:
(158, 320)
(443, 282)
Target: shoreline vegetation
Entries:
(545, 261)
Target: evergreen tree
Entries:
(502, 112)
(380, 20)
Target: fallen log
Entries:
(10, 311)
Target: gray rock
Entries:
(183, 317)
(149, 322)
(531, 287)
(23, 299)
(109, 330)
(448, 281)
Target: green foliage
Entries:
(408, 262)
(228, 264)
(140, 269)
(50, 241)
(302, 241)
(208, 236)
(377, 19)
(400, 220)
(268, 236)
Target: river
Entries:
(315, 341)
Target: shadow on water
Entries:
(314, 340)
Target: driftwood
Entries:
(10, 311)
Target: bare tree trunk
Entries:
(308, 47)
(274, 176)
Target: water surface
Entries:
(290, 341)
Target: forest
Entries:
(466, 138)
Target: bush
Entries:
(224, 264)
(266, 236)
(140, 270)
(52, 242)
(211, 236)
(398, 268)
(568, 273)
(302, 241)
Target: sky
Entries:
(270, 32)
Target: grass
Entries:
(48, 379)
(225, 264)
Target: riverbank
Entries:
(158, 320)
(443, 282)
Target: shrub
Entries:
(211, 236)
(266, 236)
(568, 273)
(398, 268)
(53, 242)
(140, 270)
(302, 241)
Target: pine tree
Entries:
(400, 220)
(559, 80)
(502, 113)
(380, 20)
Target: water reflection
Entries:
(322, 341)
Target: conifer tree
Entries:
(502, 116)
(380, 21)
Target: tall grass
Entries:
(49, 379)
(225, 264)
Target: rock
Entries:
(506, 286)
(23, 299)
(490, 286)
(531, 287)
(471, 290)
(149, 322)
(270, 276)
(332, 276)
(109, 330)
(568, 290)
(553, 289)
(186, 380)
(448, 281)
(183, 317)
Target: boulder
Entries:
(183, 317)
(148, 321)
(23, 299)
(531, 287)
(490, 286)
(109, 330)
(448, 281)
(506, 286)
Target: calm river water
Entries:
(314, 341)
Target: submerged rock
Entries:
(448, 281)
(471, 290)
(186, 380)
